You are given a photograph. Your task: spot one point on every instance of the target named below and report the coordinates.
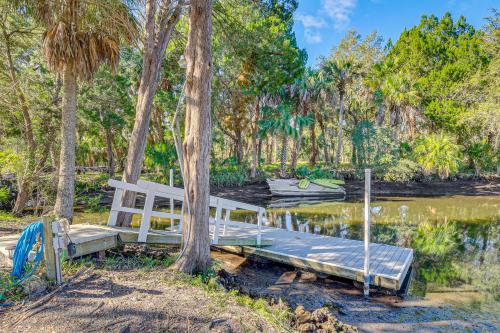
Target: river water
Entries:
(456, 239)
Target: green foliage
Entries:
(4, 195)
(404, 171)
(9, 292)
(161, 157)
(482, 156)
(313, 173)
(438, 153)
(373, 145)
(228, 174)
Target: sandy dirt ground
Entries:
(138, 300)
(131, 301)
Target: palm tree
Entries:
(336, 75)
(280, 121)
(79, 36)
(438, 153)
(306, 90)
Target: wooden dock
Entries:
(388, 265)
(90, 238)
(324, 254)
(329, 255)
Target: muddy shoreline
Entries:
(382, 312)
(258, 193)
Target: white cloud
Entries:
(309, 21)
(312, 37)
(339, 11)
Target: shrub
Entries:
(437, 153)
(313, 173)
(482, 156)
(404, 171)
(4, 195)
(228, 175)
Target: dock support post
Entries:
(366, 218)
(48, 251)
(171, 183)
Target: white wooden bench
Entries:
(153, 190)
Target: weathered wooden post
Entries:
(48, 249)
(171, 183)
(366, 218)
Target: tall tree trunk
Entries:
(155, 43)
(284, 149)
(314, 145)
(255, 132)
(109, 151)
(66, 184)
(296, 149)
(195, 255)
(23, 195)
(341, 124)
(323, 134)
(380, 116)
(269, 151)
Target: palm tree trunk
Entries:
(341, 124)
(195, 255)
(155, 44)
(325, 142)
(284, 149)
(296, 149)
(314, 145)
(66, 184)
(255, 146)
(109, 151)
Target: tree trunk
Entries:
(255, 146)
(314, 145)
(195, 254)
(284, 149)
(380, 115)
(296, 150)
(325, 142)
(155, 44)
(341, 124)
(269, 150)
(23, 195)
(66, 184)
(109, 151)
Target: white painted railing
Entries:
(153, 190)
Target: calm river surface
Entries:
(456, 239)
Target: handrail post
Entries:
(366, 218)
(115, 207)
(227, 219)
(171, 183)
(146, 217)
(218, 217)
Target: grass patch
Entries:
(9, 292)
(7, 216)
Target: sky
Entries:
(321, 24)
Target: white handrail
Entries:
(153, 190)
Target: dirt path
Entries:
(382, 313)
(132, 301)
